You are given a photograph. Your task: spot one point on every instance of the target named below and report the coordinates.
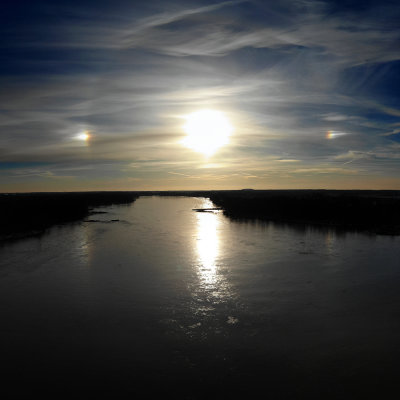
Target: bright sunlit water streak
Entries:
(207, 245)
(213, 288)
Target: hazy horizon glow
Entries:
(96, 95)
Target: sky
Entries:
(95, 95)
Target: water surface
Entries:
(157, 297)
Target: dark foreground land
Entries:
(366, 210)
(25, 214)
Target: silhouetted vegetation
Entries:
(29, 213)
(374, 211)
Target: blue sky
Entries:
(311, 89)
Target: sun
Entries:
(84, 136)
(206, 131)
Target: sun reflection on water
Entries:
(213, 296)
(213, 286)
(207, 246)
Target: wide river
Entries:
(156, 297)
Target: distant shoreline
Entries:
(373, 211)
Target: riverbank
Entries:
(372, 211)
(28, 214)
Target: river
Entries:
(159, 298)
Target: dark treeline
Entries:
(29, 213)
(369, 210)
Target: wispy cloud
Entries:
(335, 171)
(167, 18)
(284, 72)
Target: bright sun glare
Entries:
(207, 131)
(83, 136)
